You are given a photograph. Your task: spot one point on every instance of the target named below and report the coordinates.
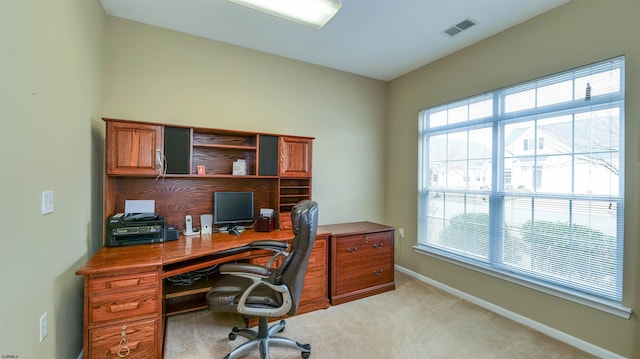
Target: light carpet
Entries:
(414, 321)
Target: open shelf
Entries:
(292, 191)
(181, 299)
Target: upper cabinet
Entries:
(134, 148)
(180, 167)
(295, 156)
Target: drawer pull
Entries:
(123, 347)
(378, 272)
(351, 250)
(123, 307)
(124, 283)
(132, 346)
(376, 246)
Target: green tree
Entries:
(575, 250)
(469, 233)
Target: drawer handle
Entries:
(378, 272)
(124, 283)
(351, 250)
(376, 246)
(123, 347)
(131, 345)
(123, 307)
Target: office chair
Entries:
(265, 292)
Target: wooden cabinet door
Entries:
(133, 148)
(295, 157)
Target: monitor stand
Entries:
(230, 227)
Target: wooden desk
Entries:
(124, 291)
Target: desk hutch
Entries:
(127, 296)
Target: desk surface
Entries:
(108, 259)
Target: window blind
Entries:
(528, 180)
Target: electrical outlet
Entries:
(43, 326)
(47, 202)
(401, 232)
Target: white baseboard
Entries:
(554, 333)
(81, 355)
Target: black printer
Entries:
(134, 228)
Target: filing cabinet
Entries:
(362, 260)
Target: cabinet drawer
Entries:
(124, 282)
(362, 241)
(348, 255)
(139, 337)
(115, 306)
(363, 272)
(318, 258)
(355, 250)
(315, 285)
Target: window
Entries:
(546, 204)
(537, 177)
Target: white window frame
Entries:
(494, 117)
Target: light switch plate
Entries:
(47, 202)
(44, 326)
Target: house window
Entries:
(537, 177)
(507, 177)
(553, 220)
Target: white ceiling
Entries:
(380, 39)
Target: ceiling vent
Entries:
(458, 28)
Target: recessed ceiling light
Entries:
(311, 13)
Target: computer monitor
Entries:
(232, 208)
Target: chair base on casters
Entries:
(263, 339)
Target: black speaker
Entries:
(268, 156)
(177, 142)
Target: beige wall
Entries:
(579, 33)
(58, 77)
(160, 75)
(50, 78)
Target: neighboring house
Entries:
(542, 162)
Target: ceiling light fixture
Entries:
(311, 13)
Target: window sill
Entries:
(599, 304)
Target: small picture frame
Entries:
(201, 170)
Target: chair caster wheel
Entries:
(305, 355)
(234, 333)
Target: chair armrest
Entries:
(276, 246)
(259, 275)
(246, 270)
(269, 245)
